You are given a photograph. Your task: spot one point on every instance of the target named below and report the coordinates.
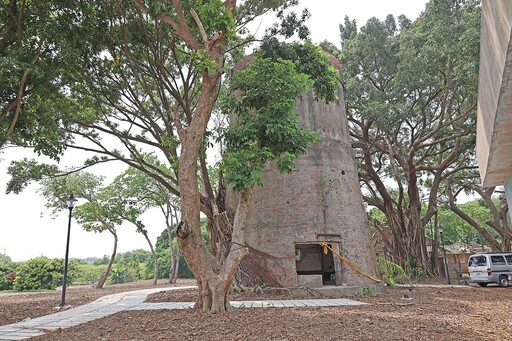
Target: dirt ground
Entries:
(471, 313)
(15, 307)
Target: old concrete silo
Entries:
(319, 201)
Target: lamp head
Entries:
(71, 201)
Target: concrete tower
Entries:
(319, 201)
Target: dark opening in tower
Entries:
(313, 265)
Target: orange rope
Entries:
(352, 265)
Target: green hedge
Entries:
(41, 273)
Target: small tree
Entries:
(141, 193)
(101, 212)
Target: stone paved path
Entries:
(134, 300)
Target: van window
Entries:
(509, 259)
(477, 261)
(498, 260)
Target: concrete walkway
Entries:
(134, 300)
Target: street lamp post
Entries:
(446, 271)
(71, 203)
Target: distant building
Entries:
(494, 121)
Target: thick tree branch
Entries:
(181, 27)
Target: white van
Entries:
(491, 267)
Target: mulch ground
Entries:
(472, 313)
(15, 307)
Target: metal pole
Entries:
(63, 300)
(445, 260)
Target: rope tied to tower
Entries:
(326, 247)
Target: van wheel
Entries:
(482, 284)
(503, 281)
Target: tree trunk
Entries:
(435, 245)
(176, 266)
(172, 272)
(214, 279)
(105, 275)
(209, 273)
(505, 224)
(155, 259)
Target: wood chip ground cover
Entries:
(435, 314)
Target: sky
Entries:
(26, 228)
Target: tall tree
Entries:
(411, 92)
(157, 89)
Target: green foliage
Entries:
(414, 270)
(102, 261)
(41, 273)
(137, 262)
(24, 171)
(162, 241)
(204, 62)
(121, 273)
(215, 18)
(456, 229)
(88, 273)
(164, 265)
(162, 250)
(103, 209)
(391, 272)
(36, 58)
(289, 24)
(128, 267)
(138, 256)
(370, 55)
(267, 128)
(212, 14)
(310, 60)
(56, 190)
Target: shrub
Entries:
(164, 262)
(391, 273)
(6, 280)
(41, 273)
(7, 272)
(144, 270)
(121, 273)
(10, 277)
(88, 273)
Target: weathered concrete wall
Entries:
(508, 193)
(319, 201)
(494, 122)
